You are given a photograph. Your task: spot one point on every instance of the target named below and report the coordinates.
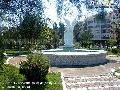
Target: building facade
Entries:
(99, 28)
(115, 20)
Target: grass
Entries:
(55, 79)
(15, 53)
(54, 82)
(118, 70)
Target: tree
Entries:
(61, 30)
(101, 15)
(19, 8)
(77, 30)
(55, 39)
(35, 33)
(10, 38)
(46, 38)
(1, 50)
(86, 38)
(111, 43)
(6, 1)
(55, 35)
(55, 27)
(1, 43)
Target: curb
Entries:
(7, 61)
(63, 82)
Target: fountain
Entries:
(70, 56)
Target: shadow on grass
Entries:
(80, 66)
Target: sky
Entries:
(50, 11)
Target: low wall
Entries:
(90, 59)
(76, 60)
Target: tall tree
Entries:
(55, 27)
(14, 10)
(77, 30)
(86, 38)
(61, 30)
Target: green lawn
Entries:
(15, 53)
(54, 80)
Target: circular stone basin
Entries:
(59, 57)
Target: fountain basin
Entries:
(59, 57)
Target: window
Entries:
(105, 37)
(105, 26)
(97, 37)
(108, 26)
(107, 21)
(90, 26)
(97, 26)
(97, 31)
(90, 22)
(103, 31)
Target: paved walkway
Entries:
(96, 82)
(87, 78)
(91, 78)
(16, 60)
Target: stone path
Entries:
(98, 82)
(91, 78)
(16, 60)
(87, 78)
(113, 58)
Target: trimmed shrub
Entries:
(35, 68)
(8, 75)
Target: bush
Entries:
(35, 68)
(115, 50)
(8, 75)
(111, 43)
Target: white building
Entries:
(99, 28)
